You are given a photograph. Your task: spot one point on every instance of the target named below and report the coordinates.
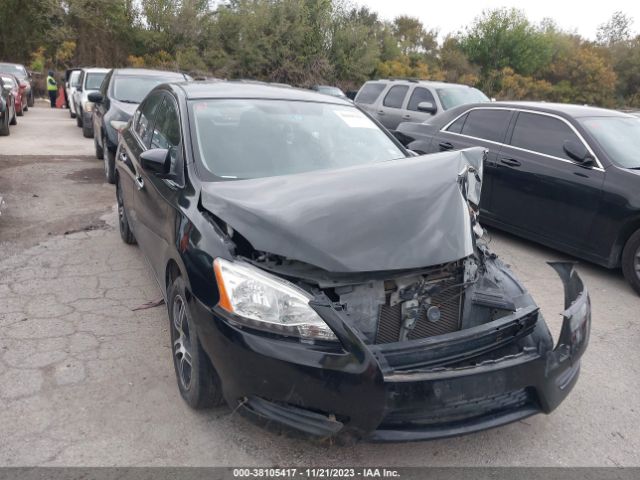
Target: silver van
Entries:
(392, 102)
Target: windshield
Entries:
(17, 70)
(619, 137)
(94, 80)
(132, 89)
(266, 138)
(454, 96)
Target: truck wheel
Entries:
(197, 380)
(631, 261)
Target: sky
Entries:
(449, 16)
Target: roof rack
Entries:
(404, 79)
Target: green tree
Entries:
(505, 38)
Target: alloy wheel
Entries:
(182, 342)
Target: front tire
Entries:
(197, 380)
(79, 119)
(631, 261)
(31, 99)
(87, 132)
(4, 127)
(14, 120)
(123, 222)
(98, 148)
(109, 163)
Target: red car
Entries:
(18, 88)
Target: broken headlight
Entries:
(268, 303)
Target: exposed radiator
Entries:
(448, 301)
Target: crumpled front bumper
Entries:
(365, 392)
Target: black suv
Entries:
(120, 93)
(566, 176)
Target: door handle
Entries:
(380, 112)
(445, 146)
(407, 116)
(139, 182)
(511, 162)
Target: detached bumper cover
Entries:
(367, 392)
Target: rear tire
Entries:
(79, 119)
(197, 380)
(71, 114)
(123, 222)
(631, 261)
(31, 100)
(21, 112)
(14, 120)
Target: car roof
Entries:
(566, 109)
(251, 89)
(146, 72)
(430, 83)
(95, 70)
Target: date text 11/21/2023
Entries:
(338, 473)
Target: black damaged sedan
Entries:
(320, 278)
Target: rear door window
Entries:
(456, 127)
(395, 96)
(370, 93)
(487, 124)
(542, 134)
(418, 96)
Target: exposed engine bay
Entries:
(387, 308)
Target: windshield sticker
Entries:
(354, 119)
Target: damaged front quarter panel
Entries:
(576, 324)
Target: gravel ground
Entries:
(85, 380)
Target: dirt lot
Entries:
(85, 380)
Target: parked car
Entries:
(71, 80)
(392, 102)
(7, 108)
(89, 81)
(318, 277)
(121, 92)
(329, 90)
(18, 89)
(23, 75)
(566, 176)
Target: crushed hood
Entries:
(394, 215)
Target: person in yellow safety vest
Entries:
(52, 88)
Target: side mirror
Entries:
(156, 160)
(95, 97)
(578, 152)
(427, 107)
